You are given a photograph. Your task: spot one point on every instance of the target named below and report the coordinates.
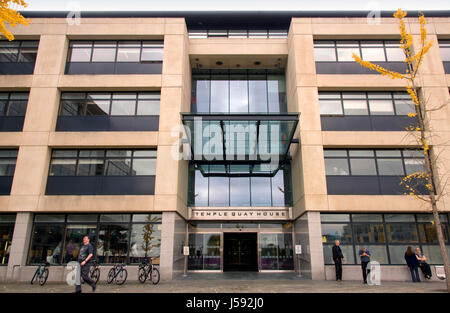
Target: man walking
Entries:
(364, 255)
(337, 258)
(85, 260)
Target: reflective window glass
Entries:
(381, 107)
(46, 244)
(112, 245)
(330, 107)
(402, 232)
(336, 166)
(239, 191)
(123, 107)
(373, 54)
(144, 167)
(355, 107)
(325, 54)
(390, 167)
(332, 232)
(369, 233)
(363, 167)
(260, 187)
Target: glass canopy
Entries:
(240, 138)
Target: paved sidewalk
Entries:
(235, 286)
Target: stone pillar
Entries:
(19, 245)
(315, 246)
(173, 236)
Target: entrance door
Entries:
(240, 252)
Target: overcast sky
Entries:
(231, 5)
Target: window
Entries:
(116, 237)
(444, 46)
(204, 252)
(110, 104)
(365, 103)
(18, 51)
(237, 33)
(386, 236)
(13, 103)
(7, 162)
(368, 50)
(238, 91)
(103, 163)
(276, 251)
(7, 222)
(115, 51)
(373, 162)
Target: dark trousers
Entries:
(414, 273)
(364, 270)
(426, 269)
(85, 275)
(338, 265)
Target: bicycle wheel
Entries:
(111, 274)
(155, 276)
(95, 275)
(34, 276)
(142, 275)
(121, 277)
(44, 277)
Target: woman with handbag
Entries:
(424, 266)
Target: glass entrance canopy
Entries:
(240, 138)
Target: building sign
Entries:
(298, 249)
(247, 213)
(186, 250)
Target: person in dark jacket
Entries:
(337, 258)
(413, 264)
(85, 259)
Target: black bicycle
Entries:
(41, 273)
(118, 273)
(94, 272)
(147, 269)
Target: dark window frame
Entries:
(104, 158)
(111, 99)
(358, 43)
(19, 49)
(341, 98)
(375, 157)
(13, 224)
(420, 243)
(116, 47)
(98, 224)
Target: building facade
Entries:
(238, 135)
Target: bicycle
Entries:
(147, 269)
(41, 273)
(117, 273)
(94, 272)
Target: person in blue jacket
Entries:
(413, 264)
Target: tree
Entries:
(11, 16)
(427, 179)
(147, 235)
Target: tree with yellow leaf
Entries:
(415, 182)
(11, 16)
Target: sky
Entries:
(234, 5)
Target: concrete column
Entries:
(19, 245)
(315, 246)
(172, 241)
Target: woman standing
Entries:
(413, 264)
(426, 270)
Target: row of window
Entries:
(386, 236)
(365, 103)
(18, 51)
(238, 91)
(103, 163)
(117, 238)
(108, 103)
(115, 51)
(13, 103)
(342, 51)
(238, 33)
(373, 162)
